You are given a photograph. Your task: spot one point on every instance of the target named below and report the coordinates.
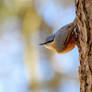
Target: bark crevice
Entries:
(84, 22)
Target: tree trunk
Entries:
(84, 27)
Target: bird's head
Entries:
(49, 42)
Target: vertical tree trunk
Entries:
(84, 25)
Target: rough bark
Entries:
(84, 27)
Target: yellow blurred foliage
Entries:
(31, 21)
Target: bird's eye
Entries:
(46, 42)
(49, 39)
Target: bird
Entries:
(62, 41)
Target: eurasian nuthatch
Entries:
(62, 41)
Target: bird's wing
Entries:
(62, 37)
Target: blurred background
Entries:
(24, 65)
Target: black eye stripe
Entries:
(46, 42)
(49, 41)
